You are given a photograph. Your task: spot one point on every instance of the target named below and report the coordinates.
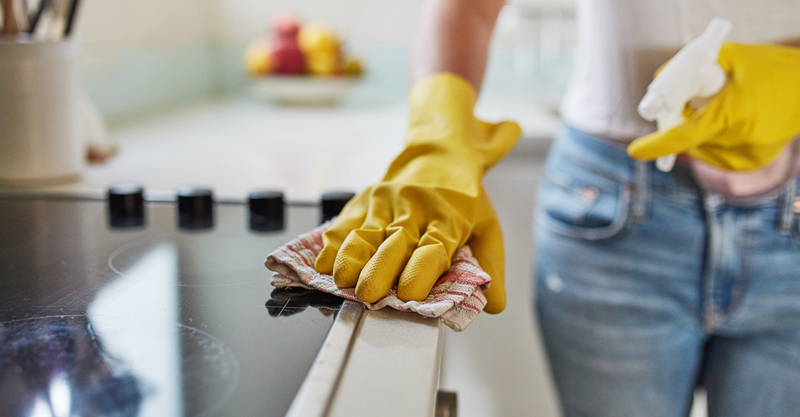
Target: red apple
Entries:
(287, 58)
(285, 24)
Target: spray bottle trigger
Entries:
(714, 78)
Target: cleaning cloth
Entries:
(456, 298)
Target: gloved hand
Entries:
(405, 229)
(748, 123)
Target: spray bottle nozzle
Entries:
(693, 72)
(651, 105)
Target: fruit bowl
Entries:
(301, 64)
(303, 90)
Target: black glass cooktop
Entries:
(149, 320)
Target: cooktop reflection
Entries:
(151, 319)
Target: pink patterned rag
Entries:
(456, 298)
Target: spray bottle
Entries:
(693, 73)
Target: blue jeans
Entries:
(647, 287)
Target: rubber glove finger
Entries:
(362, 243)
(382, 271)
(351, 217)
(430, 259)
(731, 52)
(355, 252)
(501, 139)
(424, 268)
(744, 157)
(370, 209)
(486, 243)
(714, 156)
(700, 127)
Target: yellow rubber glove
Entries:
(748, 123)
(405, 229)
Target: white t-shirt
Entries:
(622, 42)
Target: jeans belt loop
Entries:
(641, 186)
(789, 208)
(796, 205)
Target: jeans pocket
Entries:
(582, 205)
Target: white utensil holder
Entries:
(41, 142)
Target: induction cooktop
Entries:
(126, 307)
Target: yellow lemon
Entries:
(317, 37)
(257, 58)
(323, 63)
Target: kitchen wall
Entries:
(149, 54)
(142, 55)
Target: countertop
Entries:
(235, 145)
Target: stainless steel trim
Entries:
(318, 390)
(446, 404)
(393, 368)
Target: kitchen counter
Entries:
(236, 145)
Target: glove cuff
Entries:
(441, 96)
(441, 121)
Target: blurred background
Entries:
(150, 54)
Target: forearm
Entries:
(454, 37)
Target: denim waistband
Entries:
(611, 159)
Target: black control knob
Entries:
(195, 208)
(266, 211)
(333, 203)
(125, 205)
